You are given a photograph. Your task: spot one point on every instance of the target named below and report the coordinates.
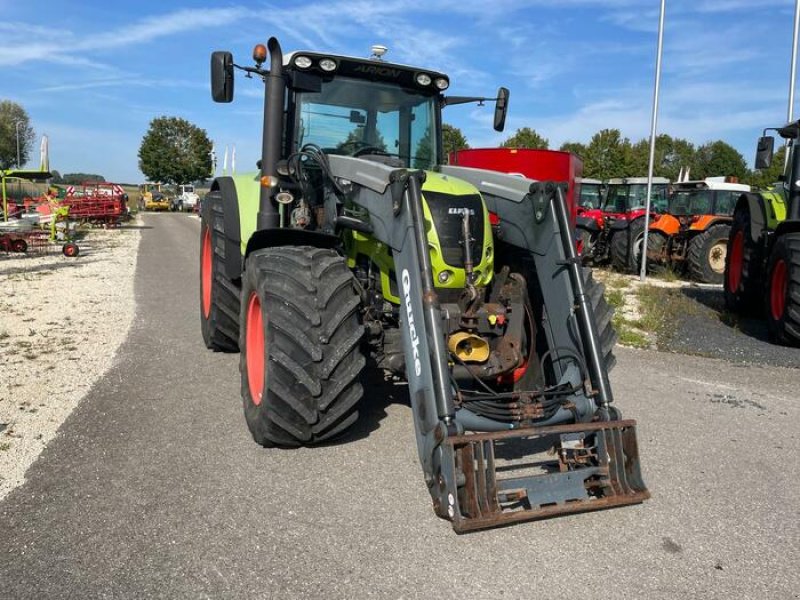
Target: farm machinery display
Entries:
(693, 233)
(97, 203)
(615, 232)
(762, 266)
(354, 245)
(152, 198)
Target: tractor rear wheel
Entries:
(707, 253)
(783, 290)
(219, 296)
(742, 273)
(604, 317)
(300, 339)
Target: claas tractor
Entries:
(354, 247)
(615, 232)
(762, 267)
(692, 235)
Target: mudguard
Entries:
(587, 223)
(758, 214)
(230, 214)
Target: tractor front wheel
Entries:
(219, 296)
(783, 291)
(741, 278)
(657, 258)
(300, 343)
(707, 254)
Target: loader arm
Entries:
(459, 468)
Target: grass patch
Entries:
(615, 298)
(660, 310)
(616, 282)
(667, 273)
(5, 446)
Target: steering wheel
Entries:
(370, 150)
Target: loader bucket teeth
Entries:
(506, 478)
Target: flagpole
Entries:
(653, 126)
(793, 71)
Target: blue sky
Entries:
(93, 74)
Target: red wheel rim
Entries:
(254, 339)
(736, 262)
(205, 272)
(779, 285)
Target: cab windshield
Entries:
(590, 195)
(357, 118)
(626, 197)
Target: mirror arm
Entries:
(252, 70)
(452, 100)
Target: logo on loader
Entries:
(412, 329)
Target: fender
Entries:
(758, 213)
(270, 238)
(587, 223)
(706, 222)
(620, 224)
(230, 215)
(666, 224)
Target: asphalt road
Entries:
(154, 489)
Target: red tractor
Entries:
(539, 165)
(615, 231)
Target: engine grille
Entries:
(447, 211)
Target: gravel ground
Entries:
(707, 329)
(61, 323)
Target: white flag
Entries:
(225, 162)
(44, 155)
(233, 160)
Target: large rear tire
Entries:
(783, 290)
(219, 296)
(300, 337)
(707, 254)
(741, 281)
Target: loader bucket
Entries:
(536, 473)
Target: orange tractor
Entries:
(693, 234)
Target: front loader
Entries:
(355, 247)
(762, 267)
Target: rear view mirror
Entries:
(222, 76)
(764, 151)
(501, 109)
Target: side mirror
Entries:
(222, 76)
(764, 151)
(501, 109)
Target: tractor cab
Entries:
(629, 195)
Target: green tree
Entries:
(78, 178)
(56, 177)
(718, 158)
(608, 155)
(13, 119)
(671, 155)
(453, 139)
(765, 178)
(175, 151)
(526, 138)
(574, 147)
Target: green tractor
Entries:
(762, 267)
(354, 246)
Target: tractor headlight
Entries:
(302, 62)
(423, 79)
(327, 65)
(442, 83)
